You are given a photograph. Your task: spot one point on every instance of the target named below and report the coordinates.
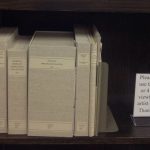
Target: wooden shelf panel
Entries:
(78, 5)
(138, 136)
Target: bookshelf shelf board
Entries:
(128, 134)
(125, 137)
(77, 5)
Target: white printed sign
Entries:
(142, 96)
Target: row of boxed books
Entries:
(53, 83)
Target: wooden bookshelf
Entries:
(78, 5)
(125, 29)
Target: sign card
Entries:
(142, 96)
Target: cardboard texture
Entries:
(7, 36)
(51, 84)
(17, 86)
(82, 81)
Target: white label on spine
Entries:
(17, 124)
(93, 57)
(17, 66)
(52, 63)
(83, 59)
(2, 58)
(50, 126)
(82, 127)
(2, 123)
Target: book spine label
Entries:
(17, 66)
(81, 127)
(50, 126)
(52, 63)
(2, 58)
(17, 126)
(83, 59)
(3, 125)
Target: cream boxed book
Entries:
(51, 84)
(104, 121)
(17, 85)
(7, 36)
(82, 81)
(96, 59)
(100, 118)
(93, 88)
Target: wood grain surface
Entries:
(78, 5)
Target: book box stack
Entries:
(53, 83)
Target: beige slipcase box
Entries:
(51, 86)
(17, 85)
(7, 36)
(96, 49)
(82, 81)
(93, 86)
(100, 118)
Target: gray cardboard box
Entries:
(51, 84)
